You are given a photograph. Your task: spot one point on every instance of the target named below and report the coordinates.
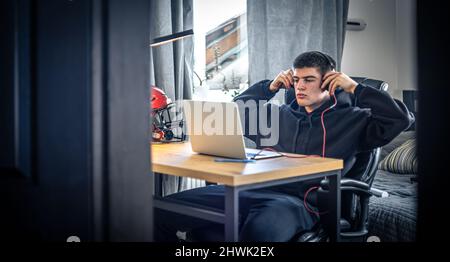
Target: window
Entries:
(220, 49)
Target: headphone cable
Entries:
(324, 139)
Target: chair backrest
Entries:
(364, 169)
(365, 166)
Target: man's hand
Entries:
(283, 79)
(338, 79)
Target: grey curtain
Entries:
(278, 31)
(172, 63)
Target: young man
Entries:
(362, 119)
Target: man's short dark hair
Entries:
(315, 59)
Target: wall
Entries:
(386, 48)
(406, 44)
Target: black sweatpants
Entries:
(264, 215)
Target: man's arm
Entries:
(388, 116)
(266, 89)
(249, 108)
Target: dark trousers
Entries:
(264, 215)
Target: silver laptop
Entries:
(214, 128)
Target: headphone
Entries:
(329, 60)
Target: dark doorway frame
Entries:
(76, 118)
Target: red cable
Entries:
(324, 141)
(309, 190)
(306, 203)
(283, 154)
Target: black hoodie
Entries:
(367, 119)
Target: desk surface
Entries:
(179, 160)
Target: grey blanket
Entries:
(394, 218)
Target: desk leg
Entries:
(157, 184)
(231, 214)
(335, 207)
(157, 192)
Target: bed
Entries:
(394, 219)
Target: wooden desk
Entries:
(178, 159)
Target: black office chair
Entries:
(355, 188)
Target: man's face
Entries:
(307, 82)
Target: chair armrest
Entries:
(354, 183)
(350, 185)
(356, 187)
(325, 184)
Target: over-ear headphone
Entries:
(328, 58)
(330, 61)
